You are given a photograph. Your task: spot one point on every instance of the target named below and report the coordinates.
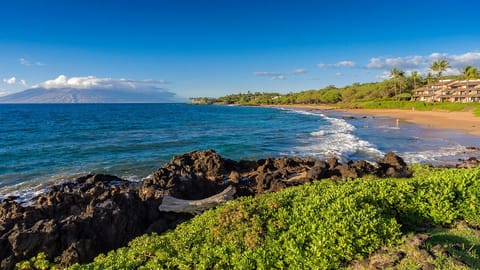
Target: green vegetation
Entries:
(418, 105)
(457, 247)
(250, 98)
(440, 66)
(462, 243)
(328, 95)
(368, 96)
(397, 77)
(470, 73)
(38, 262)
(322, 225)
(395, 93)
(476, 111)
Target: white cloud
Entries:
(338, 74)
(266, 73)
(272, 75)
(279, 77)
(375, 63)
(384, 75)
(25, 62)
(23, 82)
(11, 80)
(469, 58)
(457, 61)
(453, 71)
(398, 62)
(345, 63)
(299, 71)
(437, 56)
(90, 82)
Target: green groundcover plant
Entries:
(322, 225)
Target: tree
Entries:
(429, 78)
(396, 74)
(440, 66)
(470, 73)
(415, 76)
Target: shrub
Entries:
(320, 225)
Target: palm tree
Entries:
(429, 77)
(440, 66)
(470, 72)
(396, 74)
(415, 76)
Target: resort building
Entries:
(449, 90)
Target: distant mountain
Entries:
(75, 95)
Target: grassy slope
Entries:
(322, 225)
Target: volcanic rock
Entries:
(392, 165)
(76, 221)
(470, 163)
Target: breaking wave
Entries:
(336, 139)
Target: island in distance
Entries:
(94, 90)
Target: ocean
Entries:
(44, 144)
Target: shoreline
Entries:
(463, 121)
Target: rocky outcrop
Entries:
(392, 165)
(191, 176)
(76, 221)
(469, 163)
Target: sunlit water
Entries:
(45, 144)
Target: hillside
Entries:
(75, 95)
(375, 95)
(328, 95)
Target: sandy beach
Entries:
(463, 121)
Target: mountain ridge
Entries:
(92, 95)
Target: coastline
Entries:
(463, 121)
(77, 220)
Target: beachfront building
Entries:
(449, 90)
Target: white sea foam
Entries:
(336, 139)
(25, 191)
(318, 133)
(301, 112)
(435, 156)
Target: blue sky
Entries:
(212, 48)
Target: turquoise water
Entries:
(44, 144)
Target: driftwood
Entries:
(172, 204)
